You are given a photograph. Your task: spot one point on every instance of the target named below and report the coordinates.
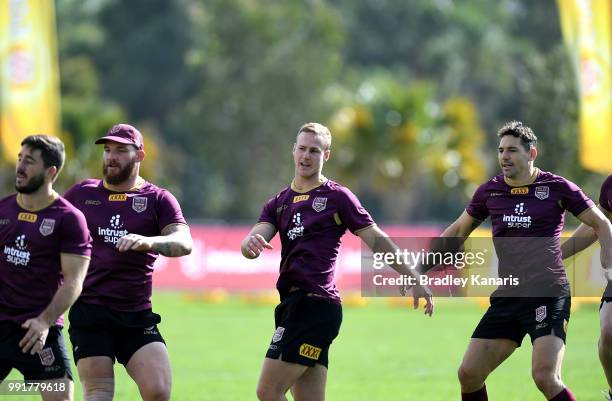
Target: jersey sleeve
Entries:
(354, 216)
(168, 210)
(75, 237)
(477, 208)
(604, 198)
(574, 199)
(268, 213)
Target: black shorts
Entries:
(96, 330)
(51, 363)
(607, 295)
(512, 318)
(305, 328)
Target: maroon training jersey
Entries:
(605, 195)
(310, 225)
(532, 217)
(122, 280)
(30, 266)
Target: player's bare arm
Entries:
(74, 269)
(257, 240)
(600, 224)
(582, 238)
(378, 241)
(175, 240)
(459, 230)
(462, 227)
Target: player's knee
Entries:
(266, 393)
(262, 394)
(469, 375)
(156, 392)
(605, 338)
(98, 389)
(546, 379)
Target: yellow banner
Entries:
(586, 29)
(29, 78)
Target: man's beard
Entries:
(121, 176)
(32, 185)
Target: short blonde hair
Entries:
(320, 130)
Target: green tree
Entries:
(396, 145)
(261, 70)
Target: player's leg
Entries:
(93, 349)
(149, 366)
(276, 379)
(311, 385)
(297, 356)
(50, 367)
(495, 338)
(97, 378)
(546, 321)
(605, 338)
(482, 357)
(547, 359)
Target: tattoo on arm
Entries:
(168, 249)
(176, 241)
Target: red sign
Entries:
(216, 261)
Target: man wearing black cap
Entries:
(131, 221)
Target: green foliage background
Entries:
(414, 92)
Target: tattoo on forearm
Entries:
(169, 249)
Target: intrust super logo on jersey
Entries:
(519, 219)
(298, 227)
(17, 254)
(112, 234)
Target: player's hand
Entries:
(256, 244)
(134, 242)
(34, 339)
(404, 289)
(423, 291)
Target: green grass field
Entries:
(382, 353)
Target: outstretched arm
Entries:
(458, 231)
(378, 241)
(462, 227)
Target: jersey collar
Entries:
(322, 181)
(54, 195)
(138, 185)
(531, 180)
